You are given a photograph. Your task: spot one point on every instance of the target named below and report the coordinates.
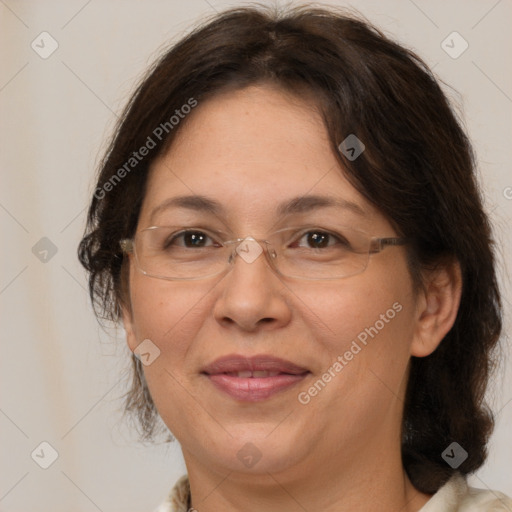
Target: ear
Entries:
(437, 307)
(129, 328)
(126, 304)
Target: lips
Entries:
(260, 363)
(252, 379)
(257, 374)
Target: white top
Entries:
(454, 496)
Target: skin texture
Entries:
(251, 150)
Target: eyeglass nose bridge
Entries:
(250, 249)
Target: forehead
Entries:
(256, 127)
(250, 150)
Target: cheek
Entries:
(367, 325)
(367, 346)
(361, 310)
(167, 312)
(170, 314)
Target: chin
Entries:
(253, 452)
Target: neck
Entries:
(367, 479)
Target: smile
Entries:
(253, 379)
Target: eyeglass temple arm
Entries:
(378, 244)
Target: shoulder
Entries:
(456, 495)
(485, 500)
(178, 498)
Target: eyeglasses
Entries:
(178, 253)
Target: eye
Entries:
(318, 239)
(191, 239)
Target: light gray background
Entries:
(62, 376)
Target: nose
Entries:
(251, 295)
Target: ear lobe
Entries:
(438, 305)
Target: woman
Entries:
(288, 224)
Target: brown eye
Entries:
(191, 239)
(194, 239)
(320, 240)
(317, 240)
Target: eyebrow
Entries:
(295, 205)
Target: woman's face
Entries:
(345, 343)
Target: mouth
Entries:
(253, 379)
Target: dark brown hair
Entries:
(418, 169)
